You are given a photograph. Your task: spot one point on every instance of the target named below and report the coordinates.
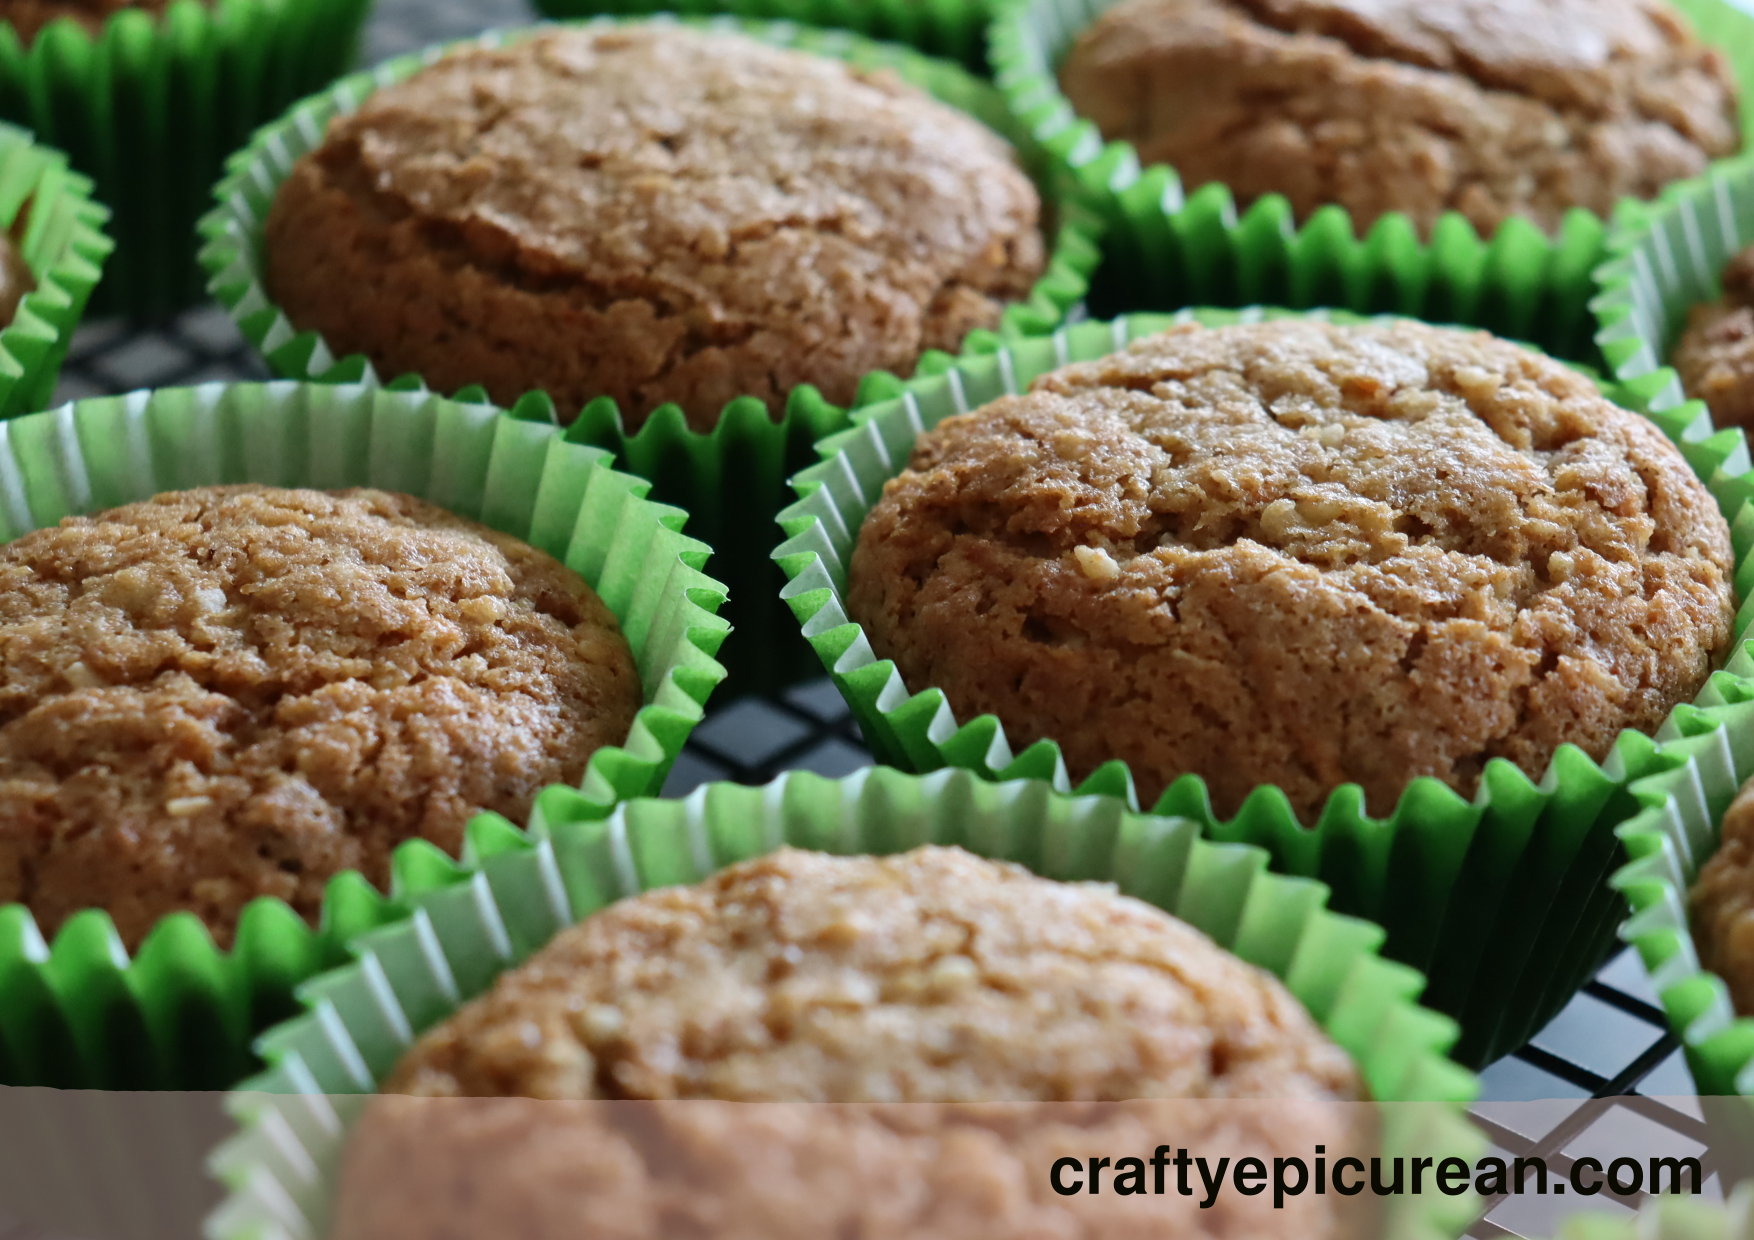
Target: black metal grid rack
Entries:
(1604, 1078)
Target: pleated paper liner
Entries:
(732, 479)
(953, 29)
(1662, 259)
(1501, 901)
(1708, 753)
(48, 213)
(514, 891)
(79, 1013)
(150, 107)
(1169, 248)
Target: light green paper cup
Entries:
(1662, 259)
(1665, 257)
(150, 107)
(78, 1013)
(63, 244)
(1501, 901)
(515, 891)
(731, 479)
(953, 29)
(1168, 248)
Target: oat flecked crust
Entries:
(1492, 108)
(653, 213)
(1301, 554)
(1715, 355)
(1010, 1012)
(231, 692)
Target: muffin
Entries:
(1302, 554)
(1015, 1015)
(1715, 355)
(28, 17)
(241, 691)
(650, 212)
(1491, 108)
(1721, 904)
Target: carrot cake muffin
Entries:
(28, 17)
(1492, 108)
(655, 213)
(1715, 356)
(1302, 554)
(930, 978)
(240, 691)
(1722, 904)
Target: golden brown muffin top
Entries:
(1488, 107)
(933, 976)
(739, 196)
(1303, 554)
(238, 691)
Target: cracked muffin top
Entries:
(1491, 108)
(241, 691)
(28, 17)
(1018, 1020)
(932, 976)
(654, 213)
(1301, 554)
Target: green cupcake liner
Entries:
(731, 479)
(1666, 257)
(514, 891)
(150, 107)
(63, 244)
(1663, 258)
(78, 1013)
(953, 29)
(1501, 901)
(1168, 248)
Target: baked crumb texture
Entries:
(233, 692)
(1301, 554)
(653, 213)
(1715, 356)
(1722, 904)
(932, 978)
(28, 17)
(1492, 108)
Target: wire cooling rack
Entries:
(1602, 1080)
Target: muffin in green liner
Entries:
(1665, 258)
(953, 29)
(78, 1012)
(1662, 259)
(732, 479)
(150, 106)
(513, 891)
(1501, 901)
(1167, 248)
(57, 229)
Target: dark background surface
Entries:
(1603, 1080)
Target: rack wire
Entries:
(1603, 1079)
